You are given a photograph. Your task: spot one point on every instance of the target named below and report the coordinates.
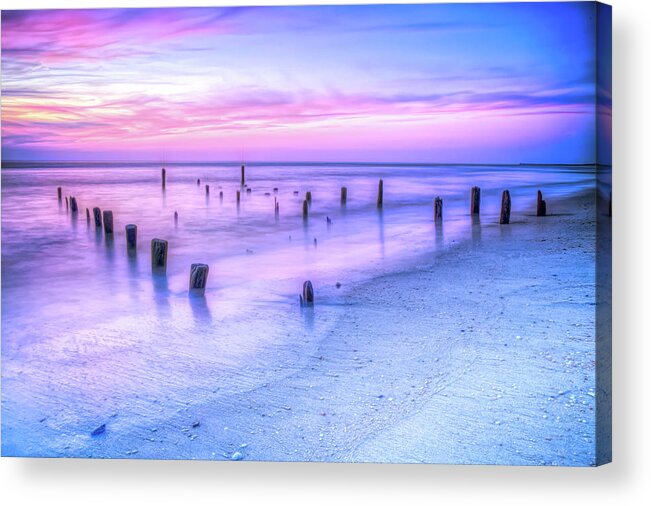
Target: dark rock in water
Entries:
(99, 430)
(338, 284)
(295, 193)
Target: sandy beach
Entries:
(413, 366)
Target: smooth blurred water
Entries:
(87, 330)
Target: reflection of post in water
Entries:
(134, 274)
(161, 290)
(200, 309)
(476, 228)
(380, 222)
(438, 234)
(110, 247)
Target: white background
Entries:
(626, 481)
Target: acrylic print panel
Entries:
(320, 233)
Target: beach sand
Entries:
(418, 366)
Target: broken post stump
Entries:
(73, 205)
(221, 195)
(505, 213)
(198, 182)
(132, 237)
(97, 213)
(59, 193)
(305, 208)
(108, 222)
(541, 205)
(438, 208)
(344, 195)
(380, 194)
(475, 197)
(162, 175)
(198, 278)
(159, 256)
(307, 298)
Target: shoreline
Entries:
(443, 388)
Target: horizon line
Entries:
(9, 163)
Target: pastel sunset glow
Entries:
(495, 83)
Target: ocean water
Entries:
(88, 332)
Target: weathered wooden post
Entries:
(541, 205)
(59, 194)
(88, 216)
(97, 213)
(159, 256)
(344, 195)
(73, 205)
(108, 222)
(162, 175)
(132, 237)
(475, 197)
(275, 190)
(438, 208)
(308, 197)
(505, 213)
(207, 190)
(248, 190)
(305, 207)
(66, 203)
(242, 178)
(221, 195)
(307, 298)
(198, 182)
(176, 218)
(198, 278)
(380, 194)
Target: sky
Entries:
(475, 83)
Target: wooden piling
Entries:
(108, 222)
(505, 213)
(97, 213)
(344, 195)
(305, 208)
(380, 194)
(438, 208)
(275, 190)
(238, 197)
(221, 195)
(176, 217)
(475, 197)
(307, 298)
(198, 279)
(308, 197)
(132, 238)
(159, 256)
(67, 203)
(198, 182)
(162, 175)
(73, 205)
(88, 216)
(59, 194)
(242, 177)
(207, 189)
(541, 205)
